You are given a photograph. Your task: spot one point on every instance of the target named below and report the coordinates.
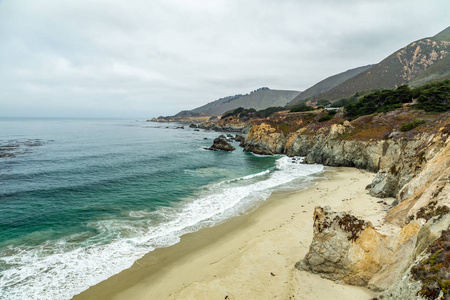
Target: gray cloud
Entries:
(148, 58)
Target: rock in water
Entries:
(221, 143)
(240, 139)
(193, 126)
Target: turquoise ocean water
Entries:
(81, 200)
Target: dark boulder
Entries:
(257, 150)
(221, 143)
(240, 139)
(193, 126)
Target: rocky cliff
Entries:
(412, 165)
(374, 143)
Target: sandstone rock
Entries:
(264, 139)
(350, 250)
(206, 125)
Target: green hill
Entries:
(259, 99)
(401, 67)
(328, 83)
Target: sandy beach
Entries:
(250, 256)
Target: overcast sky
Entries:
(145, 58)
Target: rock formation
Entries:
(350, 250)
(221, 143)
(366, 143)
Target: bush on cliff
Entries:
(264, 113)
(433, 97)
(379, 101)
(412, 125)
(236, 112)
(252, 113)
(301, 108)
(346, 101)
(328, 117)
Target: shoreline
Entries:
(250, 256)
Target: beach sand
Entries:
(250, 256)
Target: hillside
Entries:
(260, 99)
(438, 71)
(401, 67)
(328, 83)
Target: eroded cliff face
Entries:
(350, 250)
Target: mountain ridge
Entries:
(328, 83)
(258, 99)
(399, 68)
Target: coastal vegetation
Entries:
(302, 107)
(432, 271)
(433, 97)
(411, 125)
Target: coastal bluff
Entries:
(412, 166)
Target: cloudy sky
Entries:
(145, 58)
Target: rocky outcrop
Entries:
(240, 139)
(350, 250)
(264, 138)
(366, 143)
(221, 143)
(222, 127)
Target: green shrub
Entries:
(301, 107)
(412, 125)
(346, 101)
(433, 97)
(268, 111)
(323, 102)
(379, 101)
(325, 118)
(332, 112)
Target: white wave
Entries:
(252, 176)
(65, 269)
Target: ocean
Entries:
(82, 199)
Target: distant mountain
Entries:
(258, 99)
(401, 67)
(328, 83)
